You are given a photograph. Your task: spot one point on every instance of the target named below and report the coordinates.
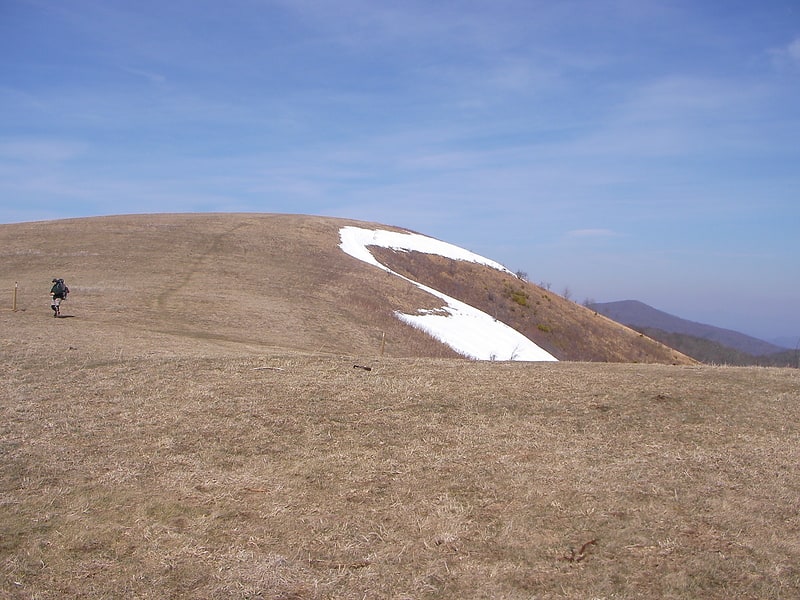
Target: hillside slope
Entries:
(212, 284)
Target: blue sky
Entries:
(619, 149)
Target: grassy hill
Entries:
(224, 433)
(165, 283)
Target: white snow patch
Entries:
(464, 328)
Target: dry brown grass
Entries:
(300, 476)
(567, 330)
(202, 283)
(258, 282)
(153, 452)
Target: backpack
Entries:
(60, 288)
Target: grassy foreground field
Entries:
(302, 476)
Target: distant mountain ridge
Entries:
(642, 316)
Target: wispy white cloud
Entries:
(39, 150)
(788, 55)
(149, 76)
(592, 233)
(793, 50)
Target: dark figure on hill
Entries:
(59, 293)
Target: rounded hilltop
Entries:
(222, 283)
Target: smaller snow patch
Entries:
(355, 241)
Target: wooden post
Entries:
(383, 342)
(14, 305)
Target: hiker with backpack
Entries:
(59, 293)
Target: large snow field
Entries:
(467, 330)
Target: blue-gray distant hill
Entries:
(699, 340)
